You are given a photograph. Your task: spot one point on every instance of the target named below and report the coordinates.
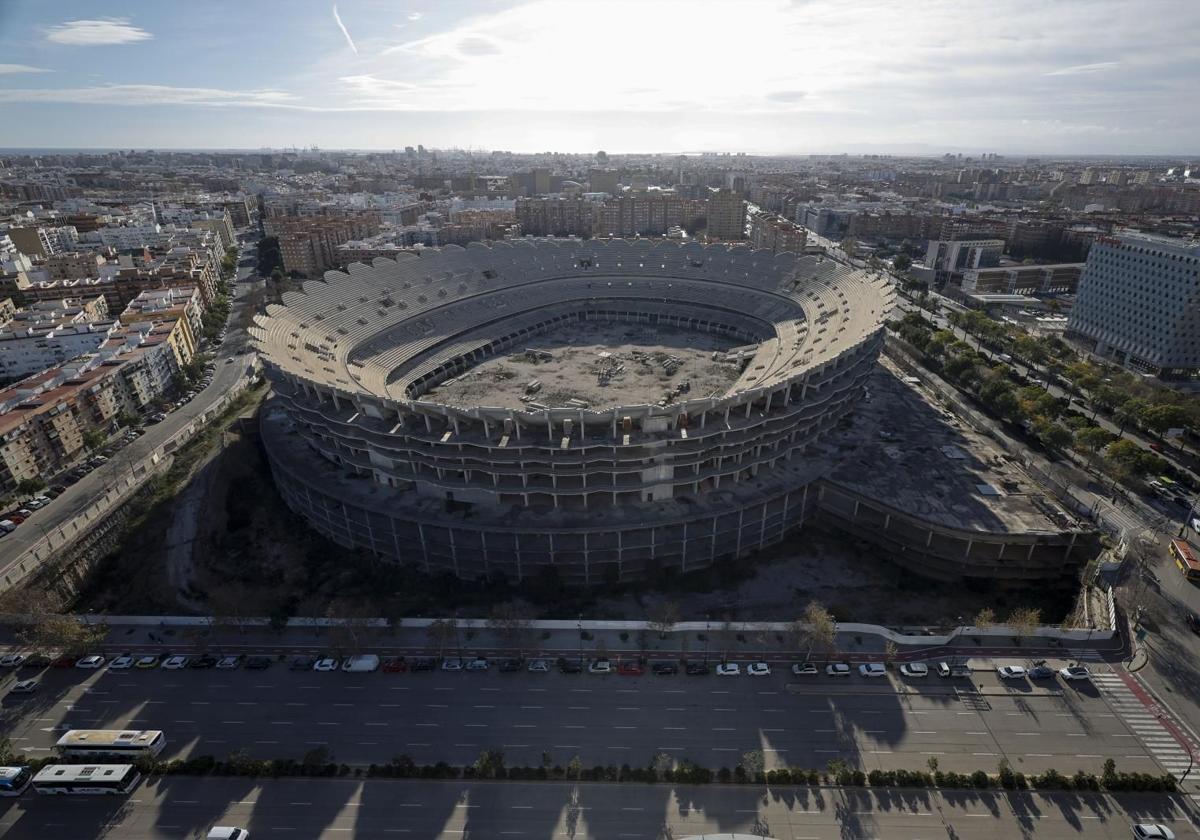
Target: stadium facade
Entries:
(359, 447)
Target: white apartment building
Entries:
(26, 350)
(1139, 304)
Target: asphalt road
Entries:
(187, 808)
(79, 495)
(795, 721)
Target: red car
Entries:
(64, 662)
(393, 665)
(15, 518)
(631, 669)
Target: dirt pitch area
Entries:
(598, 365)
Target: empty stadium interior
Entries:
(598, 362)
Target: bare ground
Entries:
(252, 556)
(600, 364)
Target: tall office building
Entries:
(1139, 304)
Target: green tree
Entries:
(93, 439)
(1158, 418)
(1053, 435)
(985, 618)
(902, 262)
(1092, 439)
(27, 486)
(1129, 413)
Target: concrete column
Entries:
(428, 425)
(424, 548)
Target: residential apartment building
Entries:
(556, 216)
(44, 335)
(43, 240)
(309, 243)
(726, 216)
(1139, 304)
(74, 265)
(647, 213)
(776, 233)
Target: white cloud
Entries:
(415, 15)
(20, 68)
(86, 33)
(150, 95)
(345, 31)
(1077, 69)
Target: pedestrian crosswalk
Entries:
(1163, 737)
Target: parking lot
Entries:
(625, 715)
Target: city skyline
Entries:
(774, 78)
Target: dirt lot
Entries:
(600, 365)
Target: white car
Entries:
(600, 666)
(452, 663)
(759, 669)
(479, 663)
(1152, 831)
(1075, 672)
(804, 669)
(1012, 672)
(914, 669)
(174, 663)
(729, 669)
(229, 663)
(539, 666)
(227, 832)
(872, 669)
(11, 660)
(325, 663)
(24, 687)
(837, 669)
(121, 663)
(150, 660)
(91, 663)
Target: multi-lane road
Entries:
(339, 808)
(453, 716)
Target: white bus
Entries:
(86, 778)
(88, 743)
(14, 780)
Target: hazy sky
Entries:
(774, 76)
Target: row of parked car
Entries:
(568, 665)
(10, 520)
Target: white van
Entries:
(361, 664)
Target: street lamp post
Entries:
(580, 626)
(707, 630)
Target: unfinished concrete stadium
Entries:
(603, 407)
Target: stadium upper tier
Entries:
(396, 328)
